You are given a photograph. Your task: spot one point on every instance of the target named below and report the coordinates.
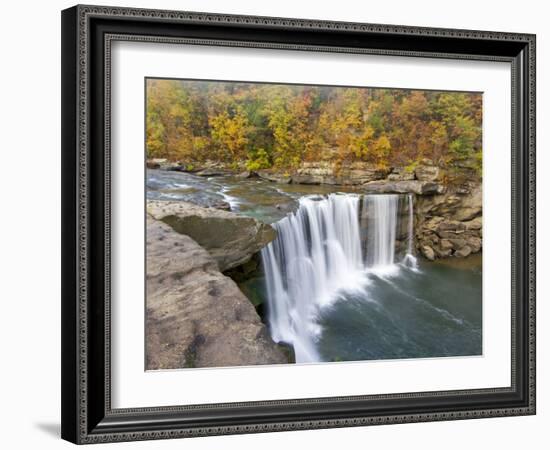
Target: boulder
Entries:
(274, 177)
(446, 244)
(432, 223)
(470, 205)
(247, 174)
(474, 243)
(443, 253)
(429, 239)
(196, 316)
(220, 204)
(211, 172)
(449, 234)
(451, 225)
(154, 163)
(426, 173)
(452, 204)
(457, 243)
(230, 238)
(475, 224)
(163, 164)
(428, 252)
(444, 205)
(463, 252)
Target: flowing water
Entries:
(342, 282)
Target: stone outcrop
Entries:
(196, 316)
(401, 174)
(274, 176)
(230, 238)
(404, 187)
(164, 164)
(450, 224)
(462, 206)
(213, 172)
(426, 173)
(347, 174)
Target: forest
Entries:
(278, 126)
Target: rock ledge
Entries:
(196, 316)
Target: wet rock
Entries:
(247, 174)
(230, 238)
(463, 252)
(475, 224)
(220, 204)
(474, 243)
(443, 253)
(428, 252)
(163, 164)
(211, 172)
(457, 243)
(197, 317)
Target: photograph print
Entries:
(299, 224)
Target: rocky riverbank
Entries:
(450, 224)
(448, 207)
(196, 316)
(230, 239)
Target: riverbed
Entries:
(421, 310)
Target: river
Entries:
(341, 282)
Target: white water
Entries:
(381, 231)
(318, 254)
(410, 259)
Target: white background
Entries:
(30, 229)
(133, 387)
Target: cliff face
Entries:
(450, 224)
(196, 316)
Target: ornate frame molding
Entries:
(80, 423)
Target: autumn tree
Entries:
(230, 135)
(266, 125)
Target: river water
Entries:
(335, 287)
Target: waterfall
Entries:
(318, 255)
(317, 251)
(381, 230)
(410, 259)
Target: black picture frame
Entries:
(87, 33)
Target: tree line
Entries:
(279, 126)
